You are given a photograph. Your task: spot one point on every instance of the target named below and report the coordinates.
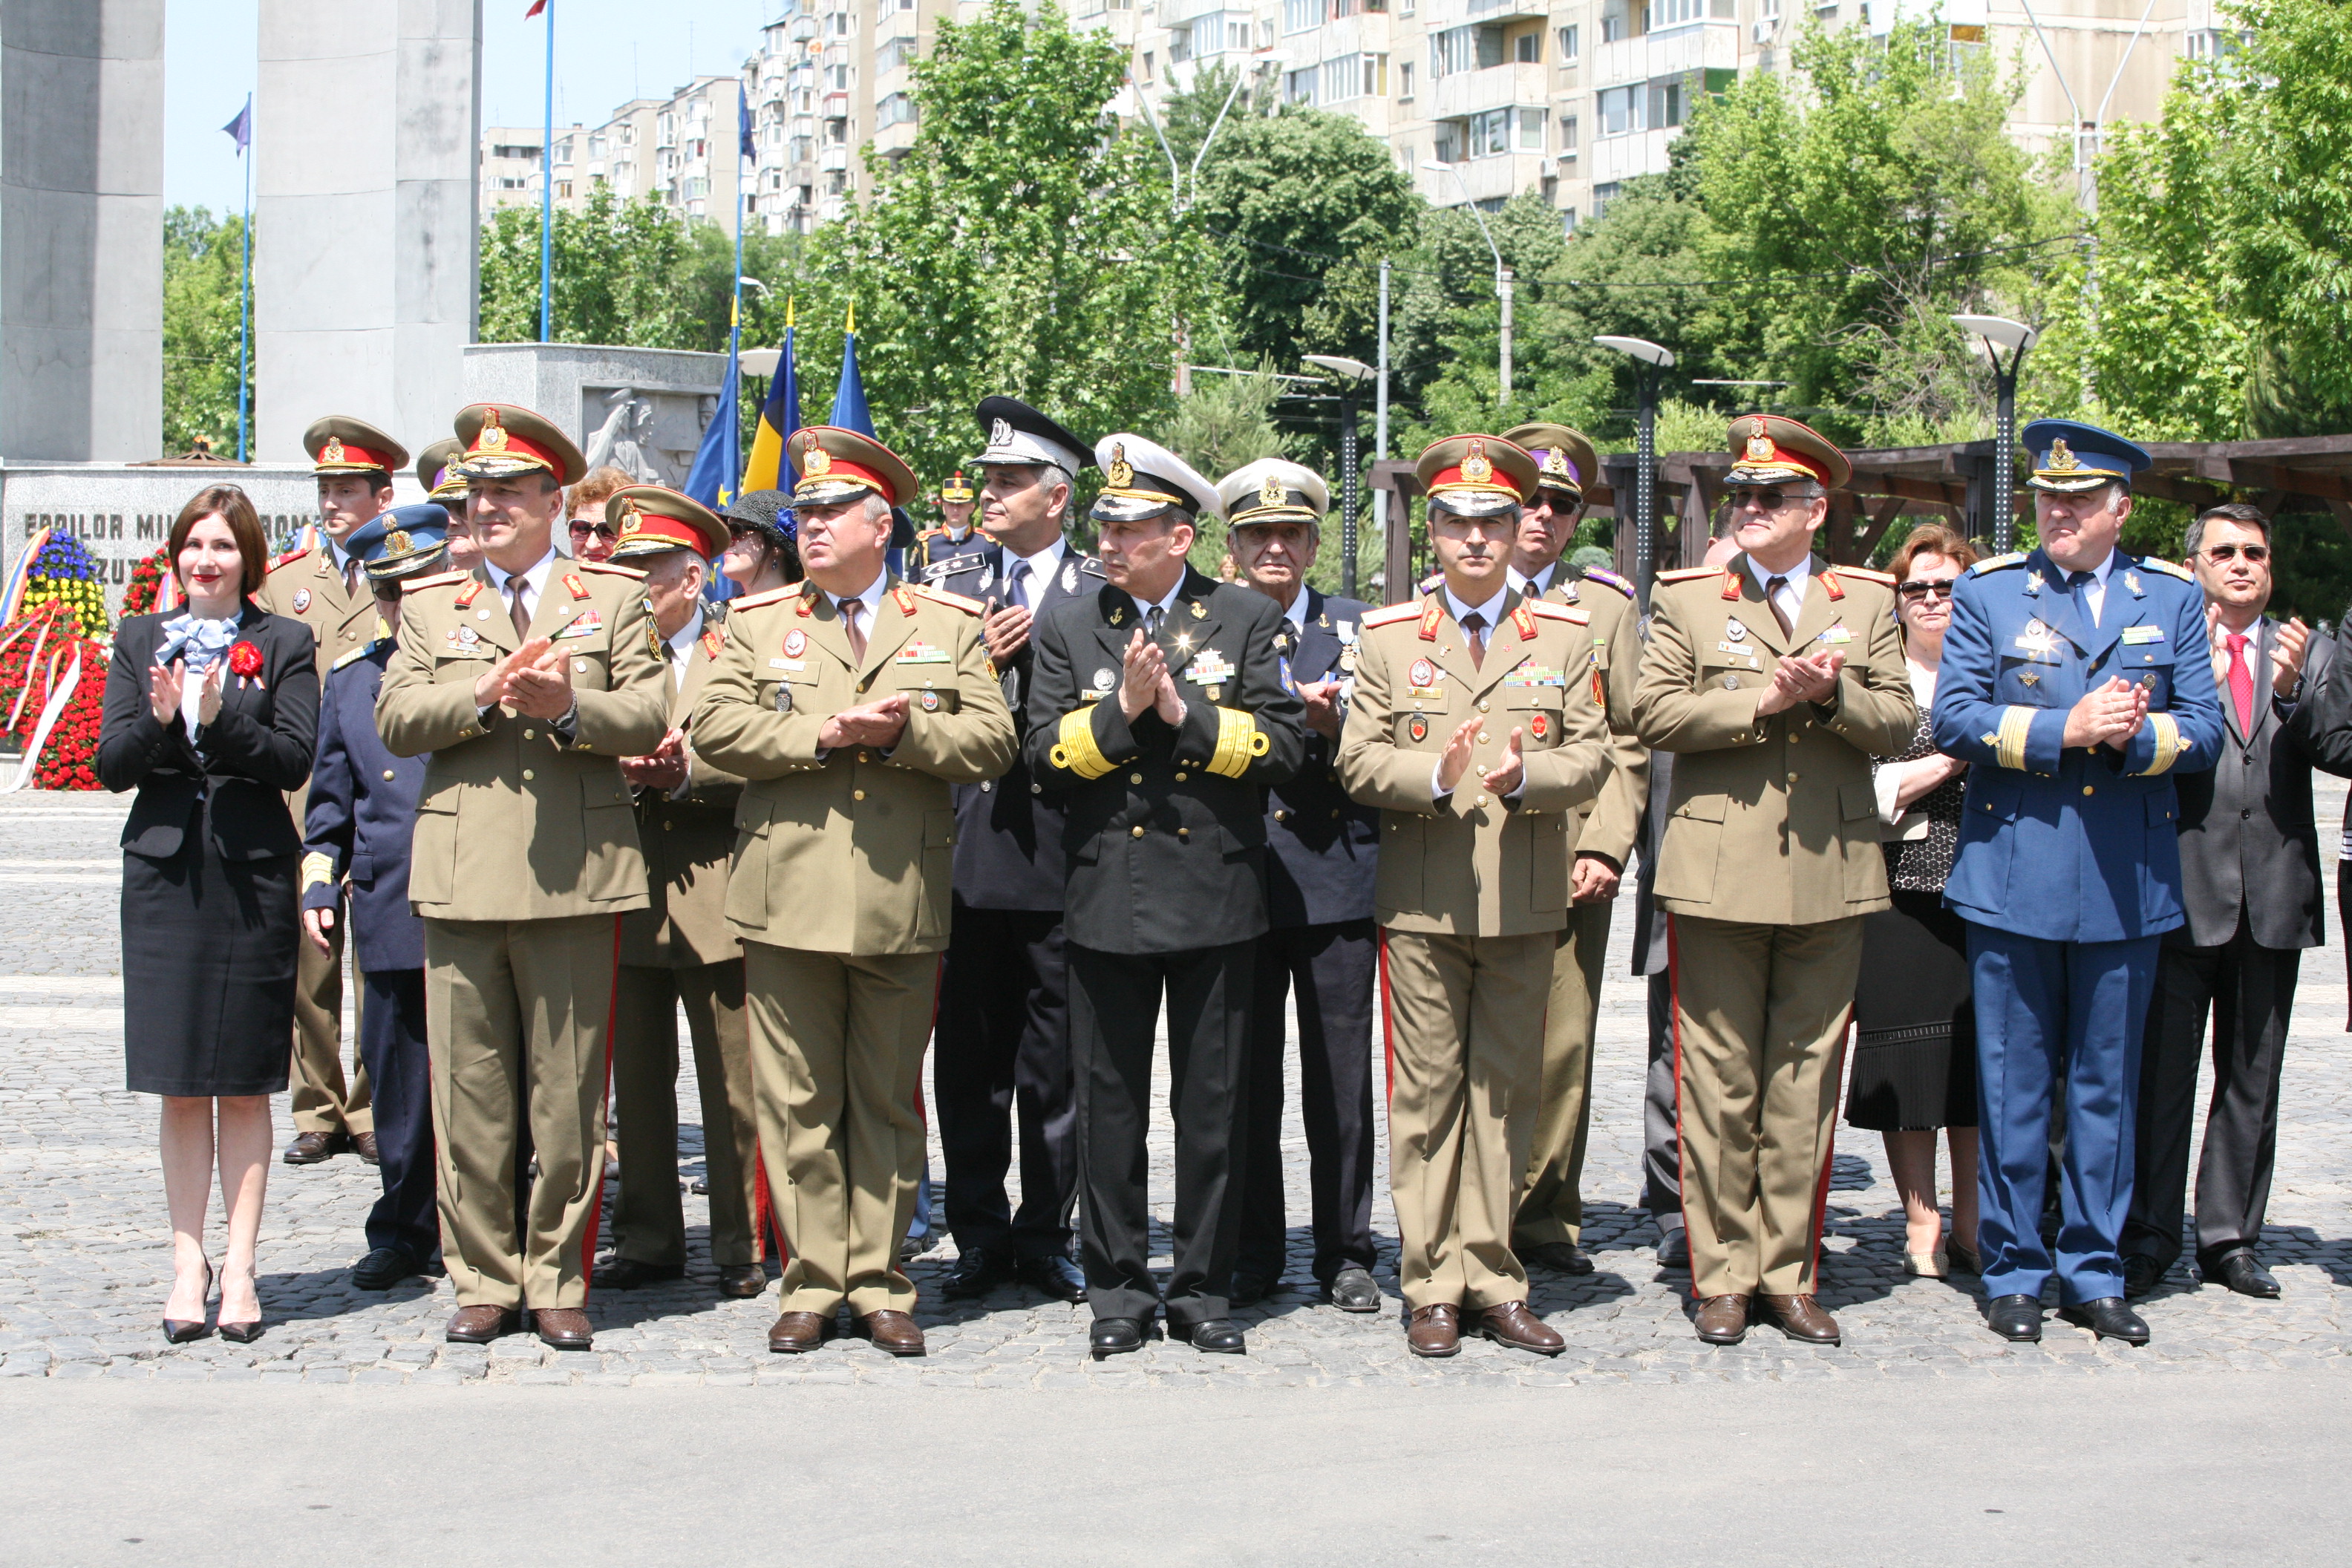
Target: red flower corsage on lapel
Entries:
(244, 660)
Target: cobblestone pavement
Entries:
(85, 1246)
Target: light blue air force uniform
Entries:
(2069, 874)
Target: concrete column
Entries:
(81, 230)
(366, 131)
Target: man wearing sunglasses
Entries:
(2251, 882)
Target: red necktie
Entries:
(2241, 682)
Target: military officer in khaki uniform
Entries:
(1476, 731)
(1549, 1225)
(326, 588)
(527, 678)
(850, 703)
(1775, 679)
(680, 951)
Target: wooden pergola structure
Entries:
(1953, 482)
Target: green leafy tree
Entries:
(203, 261)
(622, 273)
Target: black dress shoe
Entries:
(2108, 1318)
(2141, 1274)
(2242, 1273)
(1115, 1336)
(627, 1273)
(742, 1280)
(976, 1273)
(1249, 1290)
(1217, 1336)
(1560, 1257)
(2017, 1317)
(1673, 1248)
(1353, 1290)
(1053, 1276)
(383, 1267)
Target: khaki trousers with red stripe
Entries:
(1551, 1195)
(836, 1059)
(1466, 1018)
(1760, 1015)
(519, 1018)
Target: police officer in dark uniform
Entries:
(1002, 1041)
(1319, 902)
(1160, 700)
(363, 810)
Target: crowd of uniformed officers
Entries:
(1030, 809)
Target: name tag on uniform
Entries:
(788, 664)
(920, 652)
(1835, 634)
(466, 643)
(2143, 634)
(587, 623)
(1209, 669)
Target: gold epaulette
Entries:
(1405, 612)
(970, 606)
(1239, 741)
(1866, 574)
(1997, 563)
(436, 580)
(1688, 573)
(773, 595)
(1076, 750)
(611, 569)
(1552, 612)
(2156, 564)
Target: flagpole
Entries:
(547, 194)
(245, 289)
(735, 311)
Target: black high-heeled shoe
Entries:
(180, 1330)
(242, 1333)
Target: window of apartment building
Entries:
(1179, 44)
(804, 100)
(1299, 15)
(838, 24)
(1620, 111)
(1475, 48)
(1567, 132)
(1446, 147)
(838, 78)
(837, 183)
(697, 188)
(1299, 87)
(1375, 76)
(1666, 108)
(564, 152)
(896, 109)
(1602, 196)
(513, 150)
(836, 133)
(1526, 49)
(1404, 81)
(1147, 67)
(1616, 21)
(1568, 42)
(894, 54)
(596, 145)
(1490, 132)
(1404, 7)
(1531, 130)
(1342, 77)
(1663, 13)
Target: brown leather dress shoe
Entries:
(742, 1280)
(563, 1328)
(795, 1332)
(1512, 1324)
(1434, 1330)
(893, 1331)
(1722, 1319)
(313, 1148)
(480, 1325)
(1801, 1318)
(365, 1143)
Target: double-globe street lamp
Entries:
(1649, 359)
(2000, 333)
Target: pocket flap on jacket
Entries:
(750, 813)
(1857, 801)
(598, 788)
(1702, 808)
(2162, 809)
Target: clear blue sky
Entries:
(606, 52)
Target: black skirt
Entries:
(1915, 1053)
(208, 948)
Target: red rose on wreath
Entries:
(244, 660)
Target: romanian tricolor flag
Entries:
(769, 468)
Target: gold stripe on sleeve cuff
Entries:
(2016, 724)
(317, 870)
(1239, 740)
(1077, 751)
(2169, 743)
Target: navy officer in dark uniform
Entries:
(2076, 682)
(361, 814)
(1325, 849)
(1002, 1040)
(1157, 701)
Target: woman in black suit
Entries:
(209, 716)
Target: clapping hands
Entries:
(535, 679)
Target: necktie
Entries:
(1016, 585)
(2242, 683)
(515, 586)
(2081, 582)
(1772, 598)
(352, 576)
(850, 624)
(1474, 634)
(1152, 618)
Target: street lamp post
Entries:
(1352, 374)
(1503, 276)
(1998, 332)
(1649, 359)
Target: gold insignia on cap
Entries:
(1476, 468)
(1270, 493)
(1760, 448)
(397, 542)
(1121, 472)
(493, 436)
(2061, 458)
(632, 520)
(814, 460)
(1555, 464)
(333, 452)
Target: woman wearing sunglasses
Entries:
(1915, 1059)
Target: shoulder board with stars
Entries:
(1602, 574)
(1688, 573)
(772, 596)
(969, 606)
(1552, 612)
(438, 580)
(613, 569)
(1998, 564)
(2155, 564)
(1867, 575)
(1393, 614)
(290, 557)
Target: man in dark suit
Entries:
(2249, 874)
(1158, 702)
(1002, 1039)
(1325, 851)
(361, 814)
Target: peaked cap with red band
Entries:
(502, 440)
(1769, 450)
(837, 465)
(1476, 476)
(340, 443)
(650, 518)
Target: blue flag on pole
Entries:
(849, 410)
(718, 461)
(241, 128)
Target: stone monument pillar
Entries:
(81, 230)
(366, 129)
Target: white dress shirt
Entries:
(534, 581)
(1167, 606)
(1492, 612)
(2095, 591)
(1533, 587)
(681, 647)
(1041, 567)
(871, 599)
(1791, 596)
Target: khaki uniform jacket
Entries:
(1613, 821)
(514, 822)
(307, 587)
(688, 841)
(1469, 865)
(1773, 820)
(849, 851)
